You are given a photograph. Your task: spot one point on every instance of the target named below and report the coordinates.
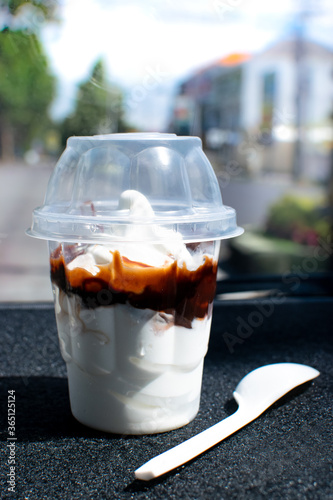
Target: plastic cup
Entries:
(134, 223)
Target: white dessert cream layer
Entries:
(130, 370)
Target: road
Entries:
(24, 266)
(252, 197)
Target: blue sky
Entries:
(150, 45)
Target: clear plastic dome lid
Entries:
(82, 201)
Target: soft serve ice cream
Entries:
(134, 223)
(134, 323)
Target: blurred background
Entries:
(253, 79)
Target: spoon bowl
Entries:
(262, 387)
(256, 392)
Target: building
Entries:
(271, 111)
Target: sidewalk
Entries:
(24, 266)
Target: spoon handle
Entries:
(194, 446)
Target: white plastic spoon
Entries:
(256, 392)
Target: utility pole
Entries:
(299, 58)
(303, 13)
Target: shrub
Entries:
(298, 219)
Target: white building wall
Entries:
(319, 100)
(252, 91)
(284, 112)
(318, 97)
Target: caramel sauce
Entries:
(170, 289)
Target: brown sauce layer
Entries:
(171, 289)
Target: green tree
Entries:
(39, 10)
(26, 90)
(98, 108)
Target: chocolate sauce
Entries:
(170, 289)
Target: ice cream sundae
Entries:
(134, 223)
